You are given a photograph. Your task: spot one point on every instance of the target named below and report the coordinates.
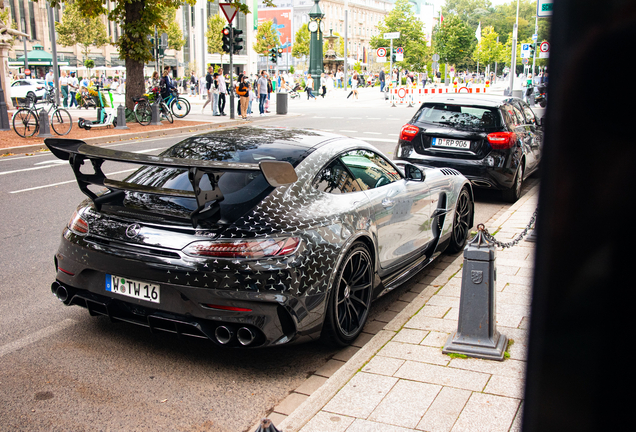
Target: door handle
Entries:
(386, 203)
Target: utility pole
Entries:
(26, 58)
(345, 45)
(534, 41)
(513, 61)
(56, 74)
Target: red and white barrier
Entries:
(413, 96)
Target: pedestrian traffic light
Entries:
(273, 55)
(227, 43)
(532, 50)
(236, 43)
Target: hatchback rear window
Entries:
(460, 116)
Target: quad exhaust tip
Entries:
(224, 334)
(245, 336)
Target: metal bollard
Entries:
(266, 425)
(121, 118)
(44, 129)
(477, 334)
(154, 120)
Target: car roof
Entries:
(470, 99)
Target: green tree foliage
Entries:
(216, 23)
(176, 40)
(489, 50)
(77, 29)
(301, 43)
(412, 39)
(266, 38)
(453, 40)
(469, 11)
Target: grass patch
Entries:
(507, 353)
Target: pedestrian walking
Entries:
(64, 89)
(193, 84)
(73, 86)
(309, 86)
(222, 92)
(354, 86)
(208, 87)
(215, 94)
(261, 85)
(330, 85)
(252, 98)
(323, 85)
(49, 78)
(382, 78)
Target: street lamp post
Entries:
(26, 58)
(316, 27)
(56, 75)
(513, 61)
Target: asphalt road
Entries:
(61, 369)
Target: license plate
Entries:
(446, 142)
(132, 288)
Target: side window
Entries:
(336, 179)
(517, 113)
(509, 116)
(370, 169)
(530, 117)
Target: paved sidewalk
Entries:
(400, 381)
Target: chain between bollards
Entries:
(520, 236)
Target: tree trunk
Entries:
(135, 85)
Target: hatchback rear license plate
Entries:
(132, 288)
(446, 142)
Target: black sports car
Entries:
(253, 236)
(495, 141)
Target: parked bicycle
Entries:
(143, 107)
(179, 106)
(26, 121)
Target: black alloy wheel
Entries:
(350, 298)
(461, 222)
(514, 193)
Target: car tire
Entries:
(349, 299)
(462, 221)
(514, 193)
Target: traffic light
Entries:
(532, 50)
(273, 55)
(236, 47)
(227, 43)
(279, 51)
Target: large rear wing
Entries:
(277, 173)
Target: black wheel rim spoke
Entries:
(354, 293)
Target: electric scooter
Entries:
(105, 116)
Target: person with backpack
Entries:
(193, 84)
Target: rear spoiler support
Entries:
(277, 173)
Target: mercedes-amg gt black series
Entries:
(495, 141)
(253, 237)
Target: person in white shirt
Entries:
(73, 86)
(330, 85)
(64, 89)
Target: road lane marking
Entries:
(347, 131)
(53, 161)
(373, 133)
(27, 169)
(35, 337)
(67, 182)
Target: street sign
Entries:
(229, 10)
(524, 61)
(525, 51)
(399, 50)
(399, 57)
(435, 57)
(544, 49)
(392, 35)
(535, 37)
(544, 8)
(381, 60)
(381, 52)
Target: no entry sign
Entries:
(381, 52)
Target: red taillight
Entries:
(66, 271)
(77, 224)
(260, 248)
(408, 132)
(502, 140)
(227, 308)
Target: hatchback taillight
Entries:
(77, 224)
(408, 132)
(260, 248)
(502, 140)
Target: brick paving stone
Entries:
(427, 323)
(507, 368)
(369, 426)
(386, 316)
(412, 352)
(383, 365)
(330, 368)
(311, 384)
(446, 376)
(434, 311)
(361, 395)
(290, 403)
(324, 421)
(373, 327)
(505, 386)
(398, 305)
(445, 410)
(410, 336)
(346, 353)
(435, 339)
(362, 340)
(487, 413)
(405, 404)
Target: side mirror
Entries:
(413, 173)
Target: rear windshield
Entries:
(459, 116)
(242, 190)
